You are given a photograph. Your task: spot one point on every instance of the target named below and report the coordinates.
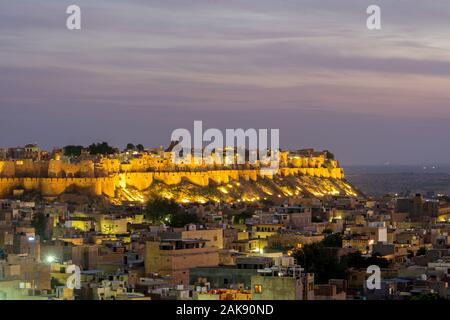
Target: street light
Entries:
(50, 259)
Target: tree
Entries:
(161, 210)
(181, 219)
(72, 151)
(321, 258)
(321, 261)
(131, 146)
(332, 240)
(241, 217)
(101, 148)
(40, 224)
(356, 260)
(140, 147)
(329, 155)
(421, 252)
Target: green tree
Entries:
(72, 151)
(321, 258)
(329, 155)
(140, 147)
(101, 148)
(240, 217)
(131, 146)
(181, 219)
(161, 210)
(321, 261)
(332, 240)
(40, 224)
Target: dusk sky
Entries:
(139, 69)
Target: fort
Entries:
(130, 175)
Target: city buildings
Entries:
(270, 241)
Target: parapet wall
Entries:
(107, 186)
(52, 187)
(107, 166)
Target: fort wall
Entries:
(107, 186)
(103, 176)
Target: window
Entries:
(258, 288)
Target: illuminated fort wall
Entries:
(55, 177)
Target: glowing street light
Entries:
(50, 259)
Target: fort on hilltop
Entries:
(134, 176)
